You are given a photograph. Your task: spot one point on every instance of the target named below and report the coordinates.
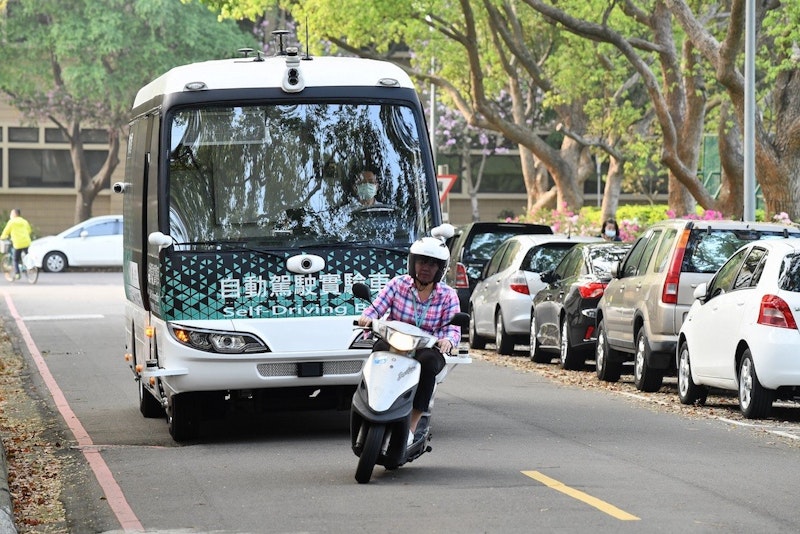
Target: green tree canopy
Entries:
(80, 63)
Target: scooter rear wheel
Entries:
(369, 453)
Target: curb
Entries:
(6, 507)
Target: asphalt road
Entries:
(513, 451)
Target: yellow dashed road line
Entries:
(603, 506)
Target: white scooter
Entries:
(381, 410)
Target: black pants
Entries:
(431, 363)
(18, 258)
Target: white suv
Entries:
(645, 304)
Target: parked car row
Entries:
(713, 301)
(500, 305)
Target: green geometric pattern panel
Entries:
(214, 285)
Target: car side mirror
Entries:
(548, 277)
(699, 292)
(615, 269)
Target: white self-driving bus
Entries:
(244, 232)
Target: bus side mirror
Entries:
(160, 240)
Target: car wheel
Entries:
(688, 391)
(537, 354)
(606, 370)
(503, 342)
(54, 262)
(475, 341)
(755, 400)
(645, 378)
(571, 360)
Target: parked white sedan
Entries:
(96, 242)
(741, 333)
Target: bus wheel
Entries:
(148, 404)
(182, 417)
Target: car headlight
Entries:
(216, 341)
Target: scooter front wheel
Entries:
(369, 453)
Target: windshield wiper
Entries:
(400, 249)
(375, 208)
(229, 246)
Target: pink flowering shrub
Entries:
(632, 219)
(707, 215)
(585, 223)
(782, 218)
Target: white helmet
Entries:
(430, 247)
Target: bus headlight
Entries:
(216, 341)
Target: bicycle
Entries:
(26, 267)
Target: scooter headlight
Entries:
(401, 342)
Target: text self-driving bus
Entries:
(244, 230)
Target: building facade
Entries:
(36, 173)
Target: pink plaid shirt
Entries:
(401, 300)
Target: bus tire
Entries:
(181, 417)
(148, 404)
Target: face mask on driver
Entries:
(366, 191)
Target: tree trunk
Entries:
(530, 174)
(612, 188)
(778, 159)
(731, 193)
(570, 195)
(468, 181)
(90, 186)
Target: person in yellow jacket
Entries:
(19, 230)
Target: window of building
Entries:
(23, 135)
(88, 136)
(47, 167)
(39, 157)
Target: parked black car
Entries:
(471, 248)
(563, 312)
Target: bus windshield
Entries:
(293, 174)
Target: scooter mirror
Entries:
(460, 319)
(361, 291)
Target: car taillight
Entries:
(519, 283)
(775, 312)
(669, 293)
(591, 290)
(462, 282)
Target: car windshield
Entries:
(485, 244)
(545, 257)
(290, 174)
(602, 258)
(789, 277)
(707, 250)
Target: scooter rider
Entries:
(421, 299)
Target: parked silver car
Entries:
(500, 305)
